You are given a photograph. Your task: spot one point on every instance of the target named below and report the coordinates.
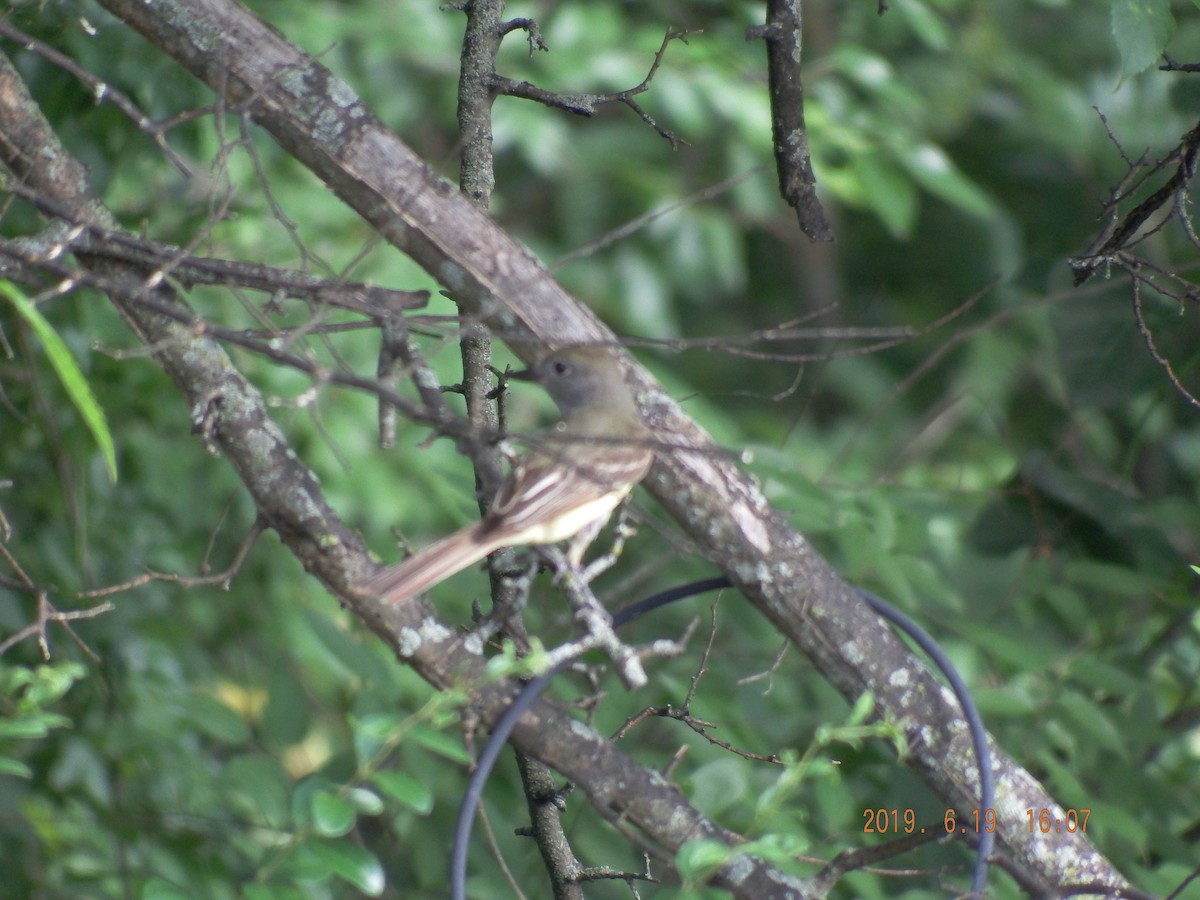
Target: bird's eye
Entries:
(561, 368)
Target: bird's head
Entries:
(583, 380)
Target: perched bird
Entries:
(567, 485)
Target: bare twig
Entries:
(1122, 232)
(1148, 338)
(532, 31)
(793, 161)
(46, 613)
(102, 91)
(637, 224)
(1170, 65)
(223, 579)
(865, 857)
(190, 270)
(585, 104)
(769, 673)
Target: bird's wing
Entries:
(549, 485)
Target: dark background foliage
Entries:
(1022, 480)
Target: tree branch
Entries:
(793, 161)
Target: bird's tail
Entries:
(424, 569)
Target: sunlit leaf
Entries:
(332, 814)
(441, 743)
(697, 859)
(1141, 29)
(351, 863)
(889, 194)
(365, 801)
(403, 787)
(68, 371)
(934, 171)
(16, 768)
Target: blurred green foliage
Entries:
(1023, 481)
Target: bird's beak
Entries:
(523, 375)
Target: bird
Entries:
(565, 487)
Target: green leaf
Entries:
(256, 785)
(16, 768)
(1011, 701)
(933, 170)
(29, 726)
(696, 860)
(1141, 29)
(269, 892)
(365, 801)
(925, 24)
(888, 193)
(776, 848)
(444, 745)
(12, 680)
(1025, 653)
(1100, 675)
(1112, 579)
(719, 785)
(160, 889)
(406, 789)
(212, 717)
(51, 682)
(375, 731)
(69, 373)
(350, 863)
(1093, 722)
(285, 720)
(344, 649)
(862, 709)
(333, 815)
